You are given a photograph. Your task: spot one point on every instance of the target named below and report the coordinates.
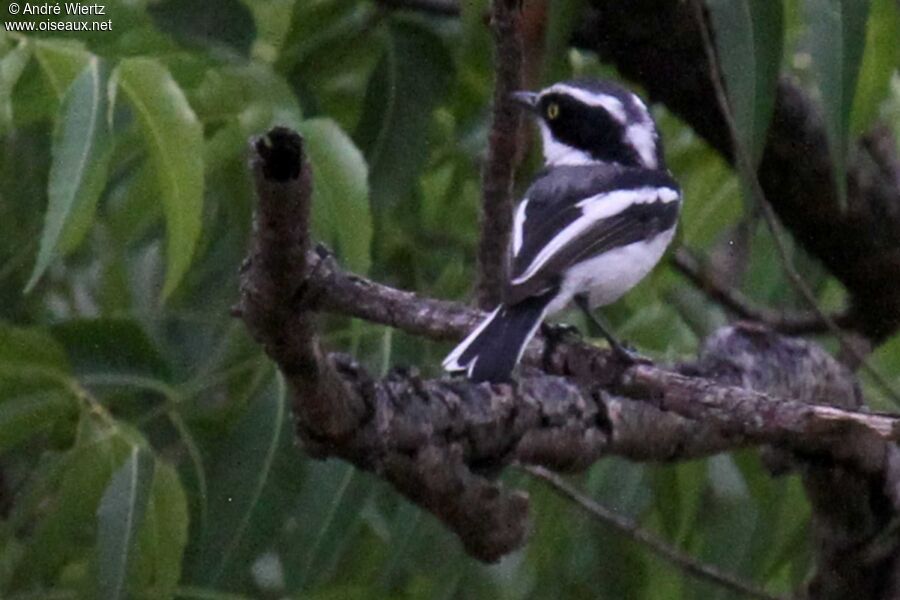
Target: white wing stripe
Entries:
(594, 209)
(518, 225)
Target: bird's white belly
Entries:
(608, 276)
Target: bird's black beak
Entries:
(526, 100)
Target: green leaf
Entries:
(413, 77)
(273, 22)
(837, 38)
(216, 24)
(783, 511)
(473, 54)
(341, 210)
(562, 19)
(24, 416)
(703, 174)
(332, 498)
(163, 536)
(131, 208)
(254, 91)
(725, 531)
(30, 360)
(879, 62)
(111, 346)
(174, 139)
(61, 61)
(81, 151)
(199, 494)
(241, 475)
(677, 495)
(11, 66)
(199, 593)
(44, 81)
(11, 552)
(68, 510)
(749, 37)
(30, 345)
(119, 518)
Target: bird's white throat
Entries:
(557, 154)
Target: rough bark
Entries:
(272, 286)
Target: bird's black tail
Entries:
(492, 350)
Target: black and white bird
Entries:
(596, 220)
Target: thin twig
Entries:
(745, 167)
(790, 322)
(688, 564)
(499, 169)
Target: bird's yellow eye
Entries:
(552, 110)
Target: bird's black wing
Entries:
(574, 213)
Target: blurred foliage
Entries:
(146, 448)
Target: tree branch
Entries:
(633, 530)
(272, 286)
(497, 176)
(788, 322)
(692, 397)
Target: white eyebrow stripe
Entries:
(612, 104)
(642, 138)
(595, 208)
(518, 226)
(640, 103)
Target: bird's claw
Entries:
(559, 331)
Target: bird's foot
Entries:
(558, 332)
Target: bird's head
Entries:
(591, 121)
